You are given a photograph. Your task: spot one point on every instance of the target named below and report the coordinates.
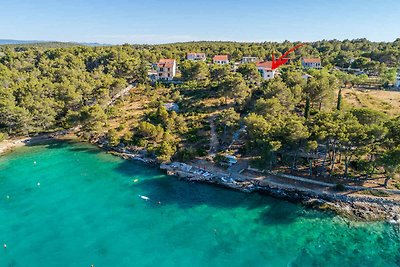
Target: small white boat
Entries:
(144, 197)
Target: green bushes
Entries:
(3, 136)
(340, 187)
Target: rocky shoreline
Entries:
(361, 208)
(358, 208)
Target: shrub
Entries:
(340, 187)
(3, 136)
(397, 185)
(186, 154)
(376, 193)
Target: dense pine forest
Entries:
(289, 122)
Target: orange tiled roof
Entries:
(312, 60)
(166, 63)
(264, 64)
(220, 58)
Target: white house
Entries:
(196, 56)
(314, 63)
(249, 59)
(265, 69)
(166, 69)
(220, 59)
(152, 74)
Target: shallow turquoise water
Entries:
(86, 211)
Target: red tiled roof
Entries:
(220, 58)
(166, 63)
(311, 60)
(166, 60)
(264, 64)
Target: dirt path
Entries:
(123, 92)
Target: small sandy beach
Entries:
(9, 144)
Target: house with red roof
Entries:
(265, 69)
(166, 69)
(314, 63)
(220, 59)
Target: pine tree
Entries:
(307, 108)
(339, 100)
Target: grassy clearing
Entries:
(387, 102)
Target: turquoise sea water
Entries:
(79, 206)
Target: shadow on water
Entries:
(174, 191)
(272, 211)
(171, 190)
(280, 212)
(92, 150)
(67, 143)
(132, 168)
(52, 143)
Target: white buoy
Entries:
(34, 162)
(8, 197)
(5, 245)
(38, 184)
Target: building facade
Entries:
(196, 56)
(397, 84)
(166, 69)
(265, 69)
(221, 59)
(314, 63)
(249, 59)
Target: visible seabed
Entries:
(71, 204)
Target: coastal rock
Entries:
(355, 208)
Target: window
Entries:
(169, 69)
(161, 69)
